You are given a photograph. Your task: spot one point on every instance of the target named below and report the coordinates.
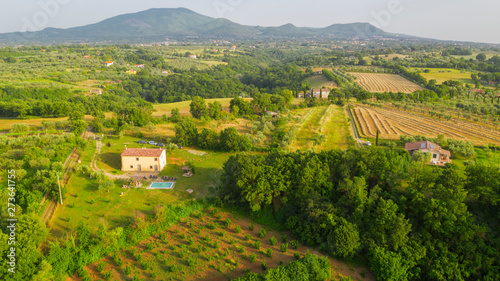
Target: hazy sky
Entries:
(464, 20)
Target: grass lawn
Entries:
(318, 81)
(210, 245)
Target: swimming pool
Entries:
(162, 185)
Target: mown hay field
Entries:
(392, 123)
(379, 83)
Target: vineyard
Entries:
(391, 123)
(379, 83)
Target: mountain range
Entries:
(156, 25)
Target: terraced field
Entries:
(379, 83)
(391, 123)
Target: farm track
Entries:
(409, 123)
(354, 128)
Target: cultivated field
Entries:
(379, 83)
(212, 245)
(391, 123)
(320, 81)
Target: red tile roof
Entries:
(426, 145)
(142, 152)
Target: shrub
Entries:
(253, 257)
(250, 226)
(107, 275)
(128, 270)
(237, 229)
(269, 252)
(100, 267)
(182, 236)
(262, 233)
(150, 246)
(296, 255)
(284, 247)
(264, 265)
(295, 244)
(273, 241)
(173, 268)
(248, 237)
(257, 245)
(227, 223)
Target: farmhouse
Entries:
(192, 56)
(439, 156)
(300, 95)
(143, 160)
(139, 65)
(109, 63)
(320, 93)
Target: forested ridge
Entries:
(408, 221)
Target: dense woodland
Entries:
(410, 222)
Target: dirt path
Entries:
(95, 157)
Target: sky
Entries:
(461, 20)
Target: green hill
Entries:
(158, 24)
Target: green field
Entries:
(443, 74)
(320, 81)
(183, 106)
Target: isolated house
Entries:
(439, 156)
(143, 160)
(109, 63)
(300, 95)
(192, 56)
(139, 65)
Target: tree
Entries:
(214, 110)
(208, 139)
(79, 126)
(175, 115)
(344, 239)
(186, 132)
(197, 107)
(387, 265)
(481, 57)
(20, 128)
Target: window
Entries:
(156, 159)
(434, 156)
(151, 167)
(131, 166)
(137, 159)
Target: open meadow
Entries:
(210, 245)
(379, 83)
(444, 74)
